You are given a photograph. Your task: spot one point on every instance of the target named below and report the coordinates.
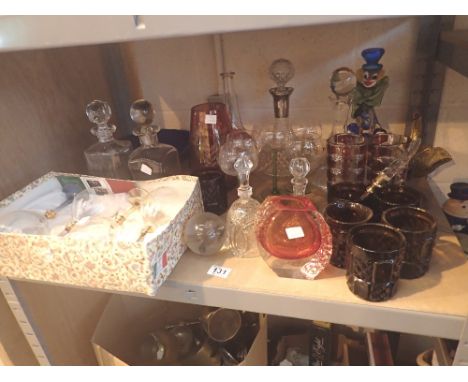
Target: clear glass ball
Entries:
(98, 112)
(204, 233)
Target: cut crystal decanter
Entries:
(275, 140)
(241, 214)
(152, 159)
(108, 157)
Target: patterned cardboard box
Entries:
(139, 267)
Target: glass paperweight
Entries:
(108, 157)
(152, 160)
(293, 237)
(28, 222)
(240, 219)
(274, 141)
(204, 233)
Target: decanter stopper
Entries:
(281, 71)
(243, 166)
(299, 168)
(142, 113)
(99, 112)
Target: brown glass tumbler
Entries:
(213, 188)
(392, 196)
(419, 228)
(374, 253)
(341, 216)
(346, 158)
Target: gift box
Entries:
(126, 320)
(139, 266)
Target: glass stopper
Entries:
(142, 113)
(243, 166)
(299, 168)
(281, 71)
(98, 112)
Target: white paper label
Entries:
(146, 169)
(210, 119)
(294, 232)
(218, 271)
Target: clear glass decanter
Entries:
(241, 215)
(108, 157)
(152, 160)
(275, 140)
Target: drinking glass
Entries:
(341, 216)
(346, 157)
(345, 191)
(209, 127)
(392, 196)
(374, 253)
(419, 228)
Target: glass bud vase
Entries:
(108, 157)
(293, 237)
(152, 160)
(241, 215)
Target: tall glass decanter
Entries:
(241, 215)
(152, 160)
(108, 157)
(275, 140)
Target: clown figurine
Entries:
(370, 89)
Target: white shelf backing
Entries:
(23, 321)
(34, 32)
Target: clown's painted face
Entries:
(369, 79)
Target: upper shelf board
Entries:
(39, 32)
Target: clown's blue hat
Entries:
(372, 57)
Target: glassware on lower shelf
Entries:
(293, 237)
(240, 220)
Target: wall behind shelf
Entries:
(43, 126)
(176, 74)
